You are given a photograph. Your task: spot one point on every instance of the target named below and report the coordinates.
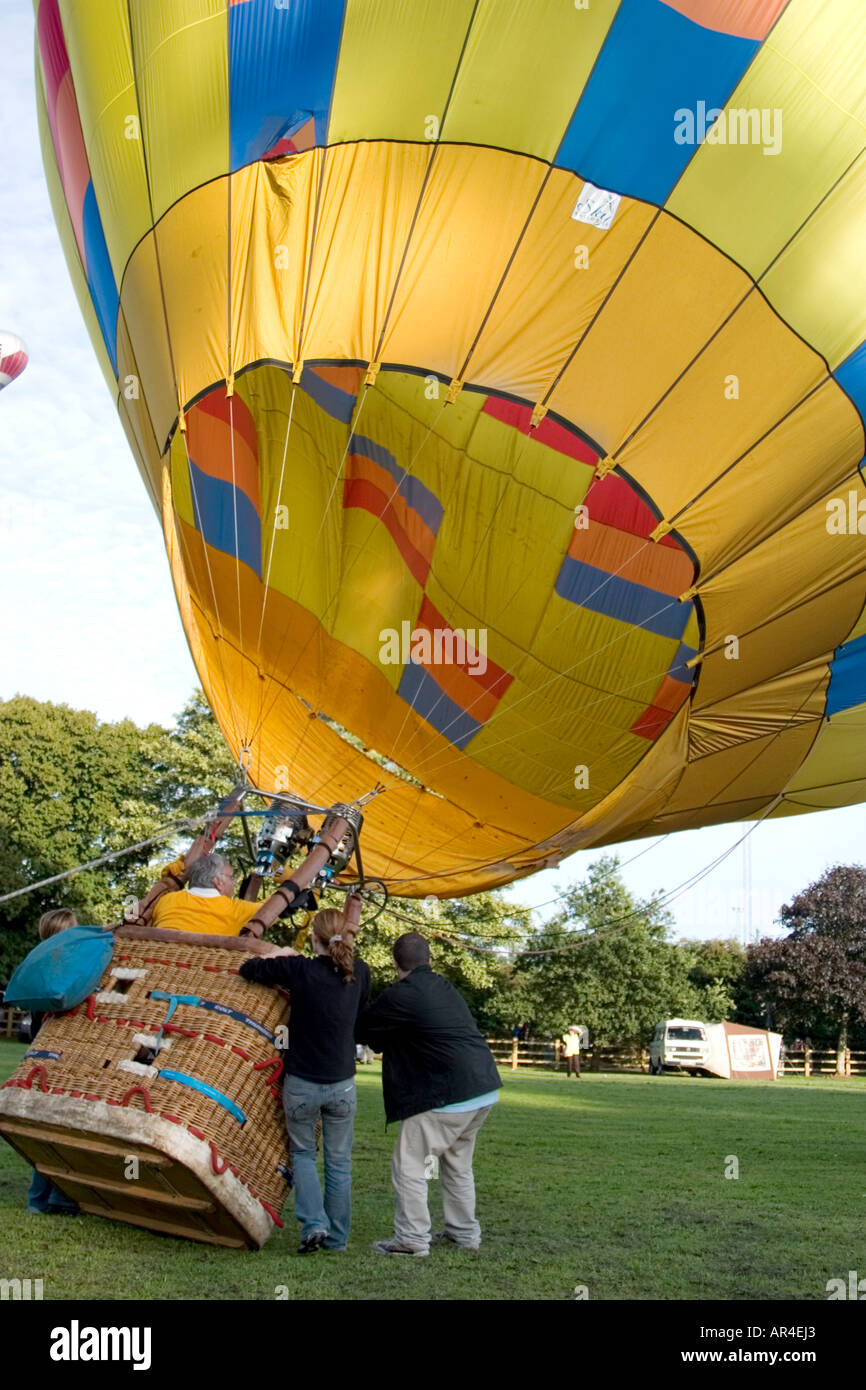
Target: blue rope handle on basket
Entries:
(206, 1090)
(214, 1007)
(173, 1001)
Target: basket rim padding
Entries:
(69, 1112)
(250, 945)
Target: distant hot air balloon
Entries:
(498, 373)
(13, 357)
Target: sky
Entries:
(89, 617)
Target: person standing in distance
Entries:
(439, 1080)
(571, 1043)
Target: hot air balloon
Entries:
(13, 357)
(497, 373)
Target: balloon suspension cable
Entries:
(297, 803)
(174, 829)
(373, 891)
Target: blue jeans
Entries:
(303, 1101)
(44, 1196)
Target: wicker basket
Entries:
(188, 1140)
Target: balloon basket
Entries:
(162, 1112)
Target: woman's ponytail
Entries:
(329, 926)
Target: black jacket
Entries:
(323, 1012)
(433, 1054)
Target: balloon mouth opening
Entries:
(379, 760)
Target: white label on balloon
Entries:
(596, 206)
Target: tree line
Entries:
(73, 787)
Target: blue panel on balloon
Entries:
(848, 676)
(654, 63)
(419, 689)
(100, 276)
(226, 518)
(851, 376)
(282, 62)
(620, 598)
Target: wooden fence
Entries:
(549, 1056)
(9, 1021)
(815, 1061)
(516, 1053)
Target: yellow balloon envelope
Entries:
(497, 373)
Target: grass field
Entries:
(613, 1182)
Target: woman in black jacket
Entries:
(327, 992)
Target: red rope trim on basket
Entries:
(138, 1091)
(276, 1065)
(215, 1158)
(271, 1213)
(91, 1001)
(27, 1083)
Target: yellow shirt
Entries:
(204, 911)
(572, 1044)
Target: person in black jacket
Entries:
(327, 994)
(440, 1080)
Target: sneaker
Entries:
(443, 1238)
(314, 1241)
(395, 1247)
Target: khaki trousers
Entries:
(431, 1146)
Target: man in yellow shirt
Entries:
(207, 903)
(571, 1042)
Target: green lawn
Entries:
(614, 1182)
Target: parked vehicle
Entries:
(679, 1044)
(733, 1051)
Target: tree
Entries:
(715, 968)
(471, 944)
(609, 963)
(817, 974)
(71, 788)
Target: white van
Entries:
(681, 1044)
